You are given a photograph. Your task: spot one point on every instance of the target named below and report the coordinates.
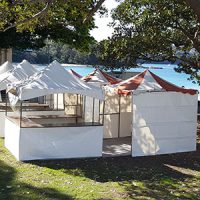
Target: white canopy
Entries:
(19, 73)
(99, 78)
(7, 66)
(53, 79)
(147, 81)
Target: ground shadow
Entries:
(13, 189)
(160, 177)
(7, 174)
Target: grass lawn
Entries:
(174, 176)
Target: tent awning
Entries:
(7, 66)
(99, 76)
(53, 79)
(148, 81)
(19, 73)
(75, 73)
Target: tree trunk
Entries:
(195, 5)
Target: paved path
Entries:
(117, 147)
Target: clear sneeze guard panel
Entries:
(56, 110)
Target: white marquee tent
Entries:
(13, 75)
(71, 71)
(22, 71)
(164, 116)
(54, 79)
(112, 112)
(7, 66)
(100, 78)
(79, 140)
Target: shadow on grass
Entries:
(162, 177)
(118, 169)
(12, 189)
(7, 174)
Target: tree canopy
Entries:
(29, 22)
(195, 5)
(154, 30)
(57, 51)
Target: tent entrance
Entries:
(117, 115)
(114, 147)
(117, 125)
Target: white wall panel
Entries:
(12, 137)
(111, 126)
(175, 145)
(161, 125)
(151, 146)
(2, 123)
(125, 124)
(54, 143)
(166, 130)
(165, 99)
(165, 114)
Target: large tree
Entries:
(155, 30)
(27, 14)
(195, 5)
(26, 23)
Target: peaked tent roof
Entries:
(53, 79)
(98, 76)
(148, 81)
(22, 71)
(7, 66)
(71, 71)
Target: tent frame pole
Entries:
(6, 104)
(20, 119)
(84, 107)
(64, 101)
(103, 112)
(132, 123)
(76, 108)
(119, 121)
(93, 104)
(57, 102)
(99, 111)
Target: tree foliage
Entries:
(28, 14)
(195, 5)
(154, 30)
(57, 51)
(29, 22)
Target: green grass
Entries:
(174, 176)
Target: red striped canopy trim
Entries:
(171, 87)
(75, 73)
(110, 79)
(125, 87)
(89, 76)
